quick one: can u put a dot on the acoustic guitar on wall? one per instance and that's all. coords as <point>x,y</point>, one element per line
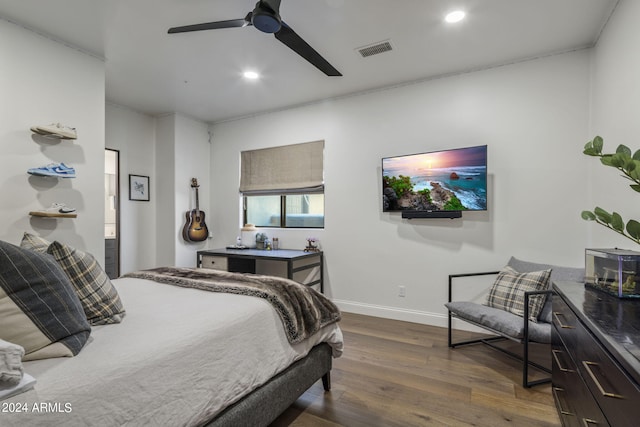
<point>195,229</point>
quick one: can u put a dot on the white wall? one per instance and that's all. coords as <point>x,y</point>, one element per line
<point>133,135</point>
<point>615,117</point>
<point>183,152</point>
<point>534,118</point>
<point>192,158</point>
<point>165,190</point>
<point>43,82</point>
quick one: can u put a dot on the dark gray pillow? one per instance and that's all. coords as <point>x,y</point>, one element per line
<point>40,309</point>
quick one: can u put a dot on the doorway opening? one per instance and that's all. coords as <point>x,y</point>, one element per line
<point>112,213</point>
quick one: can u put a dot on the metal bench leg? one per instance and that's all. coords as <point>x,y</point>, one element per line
<point>326,381</point>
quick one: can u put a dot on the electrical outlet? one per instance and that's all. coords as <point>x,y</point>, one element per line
<point>402,291</point>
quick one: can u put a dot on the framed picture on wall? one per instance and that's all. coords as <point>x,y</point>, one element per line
<point>139,187</point>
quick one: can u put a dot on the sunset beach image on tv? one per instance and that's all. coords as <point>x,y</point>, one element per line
<point>448,180</point>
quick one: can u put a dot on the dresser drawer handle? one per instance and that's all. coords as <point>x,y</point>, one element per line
<point>555,356</point>
<point>555,391</point>
<point>588,422</point>
<point>562,325</point>
<point>587,366</point>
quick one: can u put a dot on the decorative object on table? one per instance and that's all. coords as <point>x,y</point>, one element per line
<point>238,245</point>
<point>614,271</point>
<point>248,235</point>
<point>195,229</point>
<point>629,165</point>
<point>139,188</point>
<point>260,240</point>
<point>312,245</point>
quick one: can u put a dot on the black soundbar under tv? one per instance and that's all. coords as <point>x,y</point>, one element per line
<point>432,214</point>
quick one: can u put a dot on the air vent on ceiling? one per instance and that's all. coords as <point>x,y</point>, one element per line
<point>375,49</point>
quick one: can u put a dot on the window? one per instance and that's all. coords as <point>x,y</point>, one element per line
<point>283,186</point>
<point>285,211</point>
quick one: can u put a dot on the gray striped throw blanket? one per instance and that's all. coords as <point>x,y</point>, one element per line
<point>303,310</point>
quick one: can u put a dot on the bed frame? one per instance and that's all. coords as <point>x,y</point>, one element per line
<point>266,403</point>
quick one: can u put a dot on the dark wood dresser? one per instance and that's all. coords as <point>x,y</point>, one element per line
<point>596,357</point>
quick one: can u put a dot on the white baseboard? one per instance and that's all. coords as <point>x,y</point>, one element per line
<point>403,314</point>
<point>395,313</point>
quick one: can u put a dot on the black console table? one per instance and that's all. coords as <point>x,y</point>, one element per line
<point>596,357</point>
<point>303,267</point>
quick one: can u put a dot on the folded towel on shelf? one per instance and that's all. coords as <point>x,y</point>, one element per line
<point>10,363</point>
<point>26,383</point>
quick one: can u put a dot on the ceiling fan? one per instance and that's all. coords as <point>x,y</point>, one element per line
<point>266,18</point>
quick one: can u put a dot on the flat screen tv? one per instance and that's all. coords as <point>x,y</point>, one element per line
<point>443,183</point>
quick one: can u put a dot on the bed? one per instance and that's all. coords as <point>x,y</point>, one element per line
<point>180,357</point>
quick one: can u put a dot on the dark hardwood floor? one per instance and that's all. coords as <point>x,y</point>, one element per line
<point>397,373</point>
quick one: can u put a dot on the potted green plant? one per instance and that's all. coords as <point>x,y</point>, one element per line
<point>260,239</point>
<point>629,165</point>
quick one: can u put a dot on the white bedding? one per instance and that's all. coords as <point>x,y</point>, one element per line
<point>179,357</point>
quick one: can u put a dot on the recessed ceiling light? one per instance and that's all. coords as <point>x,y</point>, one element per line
<point>455,16</point>
<point>251,75</point>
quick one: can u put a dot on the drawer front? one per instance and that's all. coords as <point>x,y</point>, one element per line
<point>616,393</point>
<point>566,400</point>
<point>575,403</point>
<point>304,262</point>
<point>307,276</point>
<point>307,272</point>
<point>566,323</point>
<point>215,262</point>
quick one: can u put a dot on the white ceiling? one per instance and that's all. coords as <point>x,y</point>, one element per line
<point>199,73</point>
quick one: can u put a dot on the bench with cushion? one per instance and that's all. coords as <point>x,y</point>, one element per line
<point>519,292</point>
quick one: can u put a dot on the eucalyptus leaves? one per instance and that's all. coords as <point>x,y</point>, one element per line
<point>629,165</point>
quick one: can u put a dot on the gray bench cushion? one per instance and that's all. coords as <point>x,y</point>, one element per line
<point>500,321</point>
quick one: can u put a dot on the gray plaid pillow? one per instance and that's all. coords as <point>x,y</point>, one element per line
<point>98,296</point>
<point>34,243</point>
<point>507,292</point>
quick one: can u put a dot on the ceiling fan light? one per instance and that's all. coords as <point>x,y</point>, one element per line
<point>251,75</point>
<point>455,16</point>
<point>265,20</point>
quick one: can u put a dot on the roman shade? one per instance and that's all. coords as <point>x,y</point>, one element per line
<point>296,168</point>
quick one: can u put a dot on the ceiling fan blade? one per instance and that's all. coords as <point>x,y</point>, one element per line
<point>232,23</point>
<point>272,4</point>
<point>292,40</point>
